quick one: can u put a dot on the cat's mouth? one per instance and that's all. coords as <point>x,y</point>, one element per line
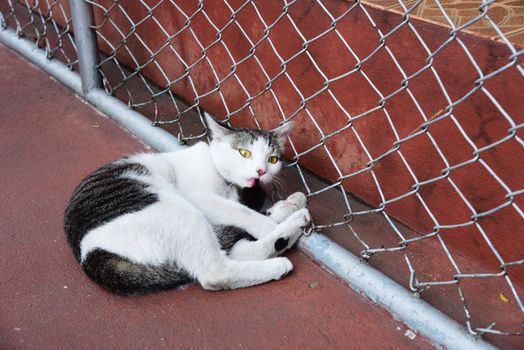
<point>252,182</point>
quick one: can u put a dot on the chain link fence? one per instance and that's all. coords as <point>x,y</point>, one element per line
<point>413,130</point>
<point>47,23</point>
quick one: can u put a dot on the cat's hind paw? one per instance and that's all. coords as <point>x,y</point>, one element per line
<point>283,267</point>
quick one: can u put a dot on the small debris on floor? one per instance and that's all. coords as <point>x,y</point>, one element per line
<point>410,334</point>
<point>313,285</point>
<point>503,298</point>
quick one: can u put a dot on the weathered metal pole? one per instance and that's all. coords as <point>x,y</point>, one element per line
<point>87,49</point>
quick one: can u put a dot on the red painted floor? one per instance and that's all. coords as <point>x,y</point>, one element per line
<point>49,140</point>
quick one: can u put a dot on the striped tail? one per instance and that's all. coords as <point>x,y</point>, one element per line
<point>121,276</point>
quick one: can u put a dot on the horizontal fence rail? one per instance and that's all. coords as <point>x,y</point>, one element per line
<point>412,129</point>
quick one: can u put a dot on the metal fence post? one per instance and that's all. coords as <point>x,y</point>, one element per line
<point>85,39</point>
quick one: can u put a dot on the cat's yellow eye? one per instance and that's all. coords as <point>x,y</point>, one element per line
<point>244,153</point>
<point>273,159</point>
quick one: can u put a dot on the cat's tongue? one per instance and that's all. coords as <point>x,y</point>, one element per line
<point>252,182</point>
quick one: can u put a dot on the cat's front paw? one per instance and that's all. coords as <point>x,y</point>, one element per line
<point>284,208</point>
<point>299,219</point>
<point>288,232</point>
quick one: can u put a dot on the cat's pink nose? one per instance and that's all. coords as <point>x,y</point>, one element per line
<point>261,172</point>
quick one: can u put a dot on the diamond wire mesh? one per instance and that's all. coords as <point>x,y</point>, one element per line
<point>47,23</point>
<point>379,100</point>
<point>194,57</point>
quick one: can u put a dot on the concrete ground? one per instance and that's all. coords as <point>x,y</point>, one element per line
<point>49,140</point>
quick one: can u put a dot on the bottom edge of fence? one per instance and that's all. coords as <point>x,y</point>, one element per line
<point>405,306</point>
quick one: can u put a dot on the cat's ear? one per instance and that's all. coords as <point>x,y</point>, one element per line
<point>282,132</point>
<point>217,130</point>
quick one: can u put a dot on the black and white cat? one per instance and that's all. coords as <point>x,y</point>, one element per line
<point>156,221</point>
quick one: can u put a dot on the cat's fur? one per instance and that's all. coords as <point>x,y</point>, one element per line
<point>154,221</point>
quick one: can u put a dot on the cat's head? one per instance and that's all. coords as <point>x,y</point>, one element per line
<point>245,157</point>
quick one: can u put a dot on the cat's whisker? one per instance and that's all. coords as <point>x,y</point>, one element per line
<point>279,186</point>
<point>228,187</point>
